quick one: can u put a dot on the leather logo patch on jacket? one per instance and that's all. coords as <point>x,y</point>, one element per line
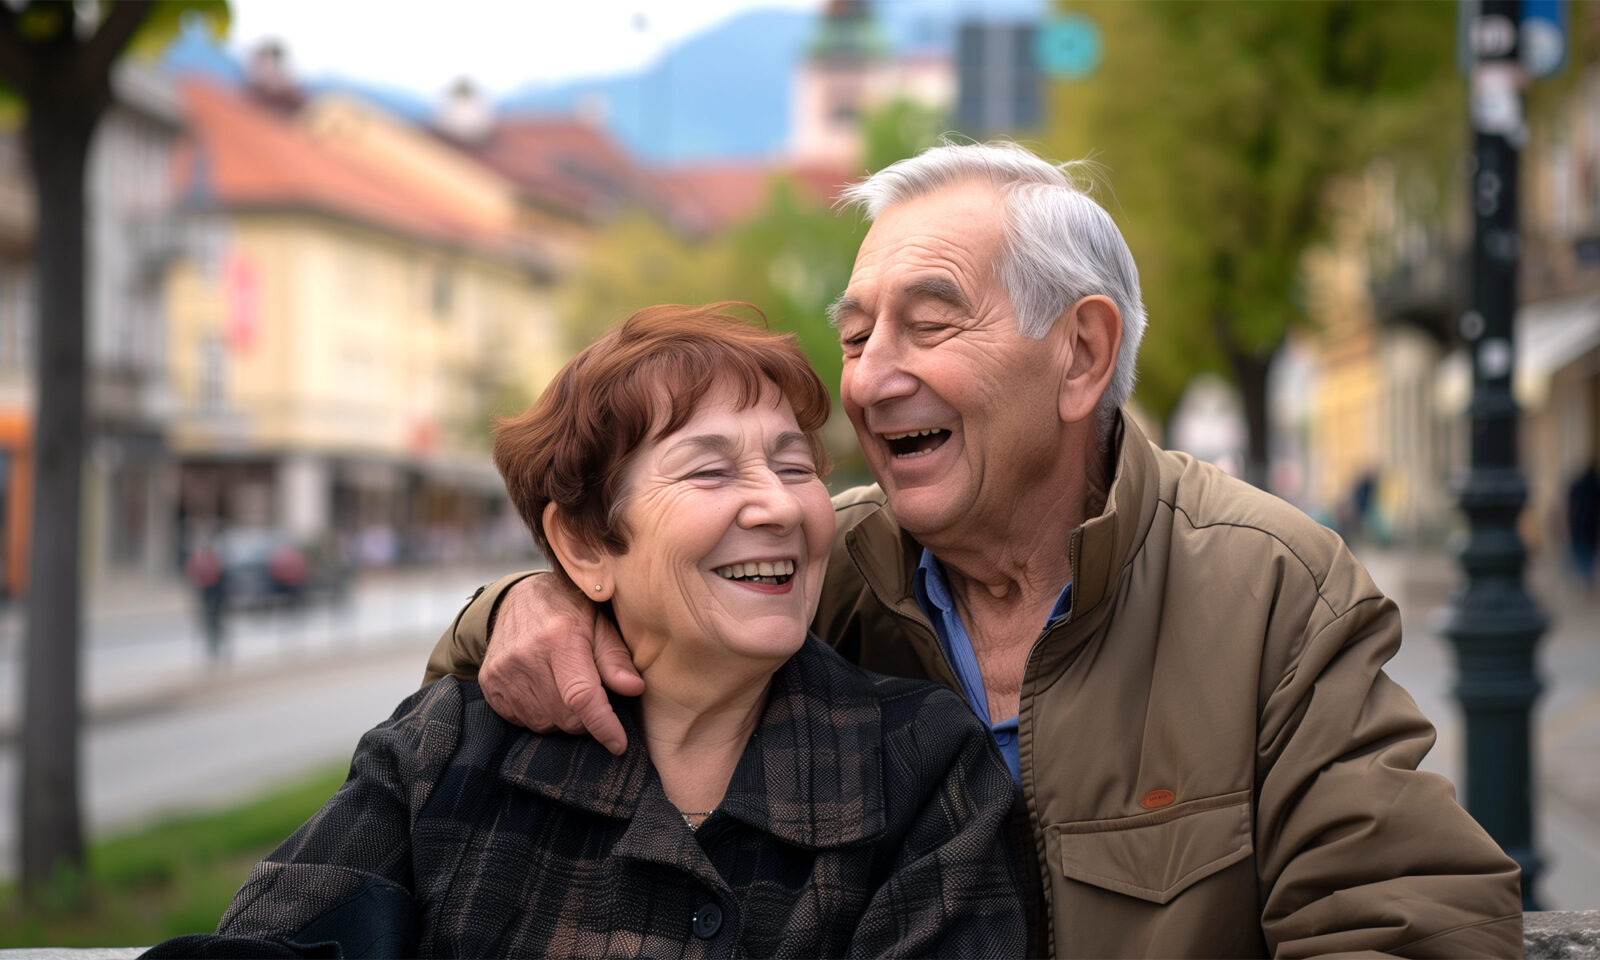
<point>1156,799</point>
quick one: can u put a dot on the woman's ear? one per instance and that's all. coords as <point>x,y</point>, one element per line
<point>588,565</point>
<point>1094,327</point>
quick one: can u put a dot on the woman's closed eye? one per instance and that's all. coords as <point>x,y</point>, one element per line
<point>713,474</point>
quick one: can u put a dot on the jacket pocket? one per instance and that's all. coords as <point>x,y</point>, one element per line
<point>1155,856</point>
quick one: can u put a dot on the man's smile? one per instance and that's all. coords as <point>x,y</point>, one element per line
<point>915,443</point>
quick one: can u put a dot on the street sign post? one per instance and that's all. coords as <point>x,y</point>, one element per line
<point>1492,623</point>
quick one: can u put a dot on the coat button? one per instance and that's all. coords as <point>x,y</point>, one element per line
<point>707,921</point>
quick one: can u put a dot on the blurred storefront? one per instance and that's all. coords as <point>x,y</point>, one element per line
<point>345,334</point>
<point>1384,292</point>
<point>16,401</point>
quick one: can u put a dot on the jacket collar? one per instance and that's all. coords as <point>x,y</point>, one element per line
<point>1105,543</point>
<point>887,556</point>
<point>811,774</point>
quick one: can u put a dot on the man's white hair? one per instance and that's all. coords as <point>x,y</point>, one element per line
<point>1060,246</point>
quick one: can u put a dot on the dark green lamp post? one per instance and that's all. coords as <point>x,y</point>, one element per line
<point>1490,620</point>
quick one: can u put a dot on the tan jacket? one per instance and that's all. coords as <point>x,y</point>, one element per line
<point>1214,762</point>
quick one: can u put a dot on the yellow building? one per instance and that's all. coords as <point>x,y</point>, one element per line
<point>1388,292</point>
<point>338,346</point>
<point>1381,334</point>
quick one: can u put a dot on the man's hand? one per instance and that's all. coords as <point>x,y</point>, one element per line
<point>549,652</point>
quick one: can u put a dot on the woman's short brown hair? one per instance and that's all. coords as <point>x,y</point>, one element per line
<point>572,447</point>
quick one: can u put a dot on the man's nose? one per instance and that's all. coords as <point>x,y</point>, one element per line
<point>879,372</point>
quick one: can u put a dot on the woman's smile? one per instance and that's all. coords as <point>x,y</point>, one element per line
<point>730,529</point>
<point>759,573</point>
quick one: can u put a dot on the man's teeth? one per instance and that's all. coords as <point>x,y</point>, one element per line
<point>916,443</point>
<point>766,571</point>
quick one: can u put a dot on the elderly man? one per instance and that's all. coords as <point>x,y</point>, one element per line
<point>1184,673</point>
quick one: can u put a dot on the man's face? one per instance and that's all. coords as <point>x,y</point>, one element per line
<point>955,410</point>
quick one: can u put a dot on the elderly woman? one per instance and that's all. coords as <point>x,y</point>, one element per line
<point>773,799</point>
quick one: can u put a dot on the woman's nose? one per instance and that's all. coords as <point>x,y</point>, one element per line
<point>772,504</point>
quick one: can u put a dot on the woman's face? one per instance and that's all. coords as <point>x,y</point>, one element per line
<point>729,531</point>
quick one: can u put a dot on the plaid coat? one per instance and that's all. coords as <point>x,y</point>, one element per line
<point>863,819</point>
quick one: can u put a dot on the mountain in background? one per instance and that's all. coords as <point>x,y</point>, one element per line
<point>724,93</point>
<point>720,94</point>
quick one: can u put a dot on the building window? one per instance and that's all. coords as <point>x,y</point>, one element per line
<point>9,321</point>
<point>17,323</point>
<point>213,385</point>
<point>441,293</point>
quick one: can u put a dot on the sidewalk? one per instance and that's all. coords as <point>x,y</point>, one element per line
<point>142,645</point>
<point>166,731</point>
<point>1567,714</point>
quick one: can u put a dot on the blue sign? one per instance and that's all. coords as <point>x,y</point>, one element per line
<point>1543,37</point>
<point>1067,47</point>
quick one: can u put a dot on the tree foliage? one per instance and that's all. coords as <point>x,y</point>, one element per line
<point>1223,126</point>
<point>790,260</point>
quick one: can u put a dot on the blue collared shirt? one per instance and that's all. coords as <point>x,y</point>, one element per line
<point>933,596</point>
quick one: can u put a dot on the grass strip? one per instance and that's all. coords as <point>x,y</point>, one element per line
<point>174,877</point>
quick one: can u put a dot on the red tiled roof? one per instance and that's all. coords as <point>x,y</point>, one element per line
<point>565,163</point>
<point>714,196</point>
<point>244,155</point>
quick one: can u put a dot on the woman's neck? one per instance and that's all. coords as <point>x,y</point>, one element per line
<point>696,730</point>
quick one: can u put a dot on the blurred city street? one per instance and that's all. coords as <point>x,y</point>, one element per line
<point>1567,715</point>
<point>168,733</point>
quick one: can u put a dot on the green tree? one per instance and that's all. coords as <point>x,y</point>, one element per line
<point>1223,126</point>
<point>56,57</point>
<point>636,261</point>
<point>790,259</point>
<point>900,128</point>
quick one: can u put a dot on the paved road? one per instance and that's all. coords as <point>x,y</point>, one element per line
<point>1567,824</point>
<point>167,731</point>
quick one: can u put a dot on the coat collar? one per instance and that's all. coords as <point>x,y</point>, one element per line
<point>811,774</point>
<point>1104,544</point>
<point>887,556</point>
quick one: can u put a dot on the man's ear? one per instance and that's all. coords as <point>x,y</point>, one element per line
<point>588,565</point>
<point>1094,328</point>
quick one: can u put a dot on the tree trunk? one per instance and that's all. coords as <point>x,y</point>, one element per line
<point>1250,372</point>
<point>58,135</point>
<point>1250,369</point>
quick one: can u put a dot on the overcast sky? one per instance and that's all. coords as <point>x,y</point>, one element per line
<point>501,44</point>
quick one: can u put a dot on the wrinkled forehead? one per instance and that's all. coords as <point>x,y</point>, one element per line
<point>960,227</point>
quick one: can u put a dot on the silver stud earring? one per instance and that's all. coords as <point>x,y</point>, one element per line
<point>597,588</point>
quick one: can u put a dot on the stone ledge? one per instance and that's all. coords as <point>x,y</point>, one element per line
<point>1548,935</point>
<point>1561,934</point>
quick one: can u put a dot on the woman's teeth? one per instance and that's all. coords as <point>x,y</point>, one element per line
<point>767,571</point>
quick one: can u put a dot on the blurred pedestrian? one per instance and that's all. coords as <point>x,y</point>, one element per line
<point>204,570</point>
<point>1361,503</point>
<point>1583,522</point>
